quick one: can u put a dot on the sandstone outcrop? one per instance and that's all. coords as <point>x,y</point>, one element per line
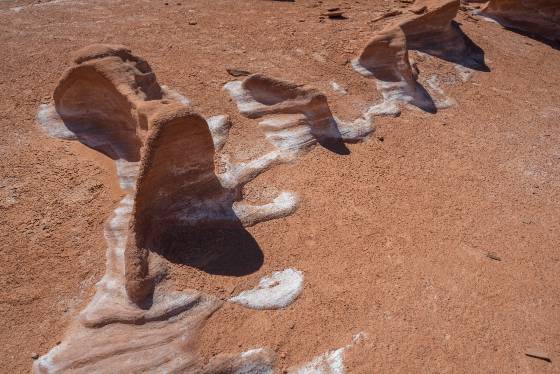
<point>111,101</point>
<point>539,17</point>
<point>428,28</point>
<point>294,117</point>
<point>99,99</point>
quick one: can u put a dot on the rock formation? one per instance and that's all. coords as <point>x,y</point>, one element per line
<point>539,17</point>
<point>99,99</point>
<point>110,101</point>
<point>428,28</point>
<point>296,117</point>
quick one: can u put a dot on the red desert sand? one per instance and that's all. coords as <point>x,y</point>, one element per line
<point>259,187</point>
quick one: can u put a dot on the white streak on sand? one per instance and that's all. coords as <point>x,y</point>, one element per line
<point>276,291</point>
<point>331,362</point>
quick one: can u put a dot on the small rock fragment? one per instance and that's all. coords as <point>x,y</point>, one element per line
<point>419,9</point>
<point>238,72</point>
<point>192,23</point>
<point>34,355</point>
<point>493,256</point>
<point>334,15</point>
<point>538,354</point>
<point>390,13</point>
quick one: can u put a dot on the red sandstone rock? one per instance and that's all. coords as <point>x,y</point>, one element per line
<point>541,17</point>
<point>430,29</point>
<point>176,168</point>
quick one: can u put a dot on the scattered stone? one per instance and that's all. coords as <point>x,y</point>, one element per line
<point>334,14</point>
<point>34,355</point>
<point>538,354</point>
<point>418,9</point>
<point>407,1</point>
<point>493,256</point>
<point>238,72</point>
<point>390,13</point>
<point>192,23</point>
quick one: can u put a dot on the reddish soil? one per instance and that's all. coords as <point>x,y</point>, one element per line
<point>393,239</point>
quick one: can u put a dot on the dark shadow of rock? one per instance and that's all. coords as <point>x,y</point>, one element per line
<point>334,145</point>
<point>470,55</point>
<point>230,251</point>
<point>554,44</point>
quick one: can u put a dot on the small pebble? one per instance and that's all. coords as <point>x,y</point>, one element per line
<point>237,72</point>
<point>538,354</point>
<point>493,256</point>
<point>419,9</point>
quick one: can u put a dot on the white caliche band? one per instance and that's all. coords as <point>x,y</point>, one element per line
<point>276,291</point>
<point>331,362</point>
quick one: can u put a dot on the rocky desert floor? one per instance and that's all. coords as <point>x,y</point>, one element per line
<point>437,238</point>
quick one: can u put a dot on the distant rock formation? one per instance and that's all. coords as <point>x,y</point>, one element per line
<point>428,28</point>
<point>539,17</point>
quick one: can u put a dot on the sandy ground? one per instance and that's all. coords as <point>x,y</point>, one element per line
<point>393,238</point>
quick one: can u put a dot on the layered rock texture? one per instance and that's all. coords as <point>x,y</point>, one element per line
<point>429,28</point>
<point>295,117</point>
<point>110,101</point>
<point>539,17</point>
